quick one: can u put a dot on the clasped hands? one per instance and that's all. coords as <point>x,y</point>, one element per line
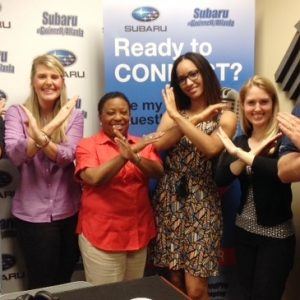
<point>41,136</point>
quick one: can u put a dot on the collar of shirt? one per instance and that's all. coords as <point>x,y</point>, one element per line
<point>102,138</point>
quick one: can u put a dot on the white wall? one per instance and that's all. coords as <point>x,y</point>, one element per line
<point>20,41</point>
<point>275,21</point>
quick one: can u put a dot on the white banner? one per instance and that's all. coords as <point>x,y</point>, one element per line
<point>71,30</point>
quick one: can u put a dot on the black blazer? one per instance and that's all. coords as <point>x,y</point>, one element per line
<point>272,197</point>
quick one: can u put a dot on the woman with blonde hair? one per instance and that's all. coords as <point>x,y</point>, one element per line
<point>265,240</point>
<point>40,139</point>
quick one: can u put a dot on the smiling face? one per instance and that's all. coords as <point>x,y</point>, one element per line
<point>115,114</point>
<point>47,84</point>
<point>189,79</point>
<point>258,107</point>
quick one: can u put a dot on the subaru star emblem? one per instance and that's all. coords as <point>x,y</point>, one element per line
<point>145,14</point>
<point>67,58</point>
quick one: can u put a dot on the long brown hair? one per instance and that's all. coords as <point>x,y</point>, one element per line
<point>211,84</point>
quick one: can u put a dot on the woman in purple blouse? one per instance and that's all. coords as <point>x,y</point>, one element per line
<point>40,139</point>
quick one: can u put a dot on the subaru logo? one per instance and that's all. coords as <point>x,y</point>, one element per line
<point>145,14</point>
<point>8,261</point>
<point>2,95</point>
<point>5,179</point>
<point>67,58</point>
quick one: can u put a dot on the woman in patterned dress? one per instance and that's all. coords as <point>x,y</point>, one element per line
<point>187,203</point>
<point>265,241</point>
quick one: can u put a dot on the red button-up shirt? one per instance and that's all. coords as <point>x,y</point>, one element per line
<point>115,216</point>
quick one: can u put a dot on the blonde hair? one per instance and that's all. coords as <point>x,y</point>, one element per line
<point>267,86</point>
<point>32,102</point>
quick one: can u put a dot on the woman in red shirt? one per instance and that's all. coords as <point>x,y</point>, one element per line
<point>116,220</point>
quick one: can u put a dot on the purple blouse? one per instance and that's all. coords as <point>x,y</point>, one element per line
<point>47,190</point>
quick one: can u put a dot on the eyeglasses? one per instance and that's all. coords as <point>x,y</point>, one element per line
<point>192,75</point>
